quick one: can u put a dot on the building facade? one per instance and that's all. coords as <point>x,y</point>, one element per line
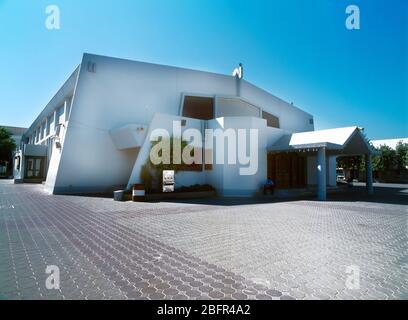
<point>95,133</point>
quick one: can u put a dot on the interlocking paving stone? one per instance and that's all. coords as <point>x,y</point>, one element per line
<point>274,293</point>
<point>213,250</point>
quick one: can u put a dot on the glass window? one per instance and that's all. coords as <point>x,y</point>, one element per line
<point>271,120</point>
<point>60,115</point>
<point>49,120</point>
<point>230,107</point>
<point>33,167</point>
<point>198,108</point>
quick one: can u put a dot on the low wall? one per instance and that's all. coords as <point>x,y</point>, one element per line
<point>180,195</point>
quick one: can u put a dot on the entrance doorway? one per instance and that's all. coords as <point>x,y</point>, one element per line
<point>287,170</point>
<point>34,167</point>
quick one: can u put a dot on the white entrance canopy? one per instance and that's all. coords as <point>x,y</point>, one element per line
<point>339,141</point>
<point>348,141</point>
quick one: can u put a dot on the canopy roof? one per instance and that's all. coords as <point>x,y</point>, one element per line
<point>347,140</point>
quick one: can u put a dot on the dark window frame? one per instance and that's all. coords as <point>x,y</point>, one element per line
<point>40,171</point>
<point>193,112</point>
<point>271,120</point>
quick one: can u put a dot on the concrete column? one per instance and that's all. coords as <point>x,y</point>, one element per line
<point>67,107</point>
<point>321,174</point>
<point>369,173</point>
<point>331,171</point>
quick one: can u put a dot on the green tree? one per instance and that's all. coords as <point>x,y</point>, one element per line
<point>7,146</point>
<point>151,174</point>
<point>386,161</point>
<point>402,156</point>
<point>352,163</point>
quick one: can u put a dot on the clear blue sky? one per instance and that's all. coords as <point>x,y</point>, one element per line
<point>297,50</point>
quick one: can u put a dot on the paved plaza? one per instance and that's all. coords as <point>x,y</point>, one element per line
<point>208,249</point>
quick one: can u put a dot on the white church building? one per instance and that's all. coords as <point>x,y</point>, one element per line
<point>95,134</point>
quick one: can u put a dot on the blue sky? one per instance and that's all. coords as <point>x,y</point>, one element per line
<point>298,50</point>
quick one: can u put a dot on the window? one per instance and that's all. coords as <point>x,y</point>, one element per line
<point>49,120</point>
<point>60,115</point>
<point>57,130</point>
<point>271,120</point>
<point>34,167</point>
<point>198,108</point>
<point>231,107</point>
<point>43,130</point>
<point>91,67</point>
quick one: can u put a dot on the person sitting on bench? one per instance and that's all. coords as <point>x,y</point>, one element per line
<point>269,186</point>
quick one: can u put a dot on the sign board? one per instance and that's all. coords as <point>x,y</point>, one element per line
<point>168,180</point>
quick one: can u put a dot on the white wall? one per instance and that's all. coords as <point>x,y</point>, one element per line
<point>273,135</point>
<point>290,117</point>
<point>228,107</point>
<point>54,161</point>
<point>215,176</point>
<point>90,162</point>
<point>226,177</point>
<point>248,185</point>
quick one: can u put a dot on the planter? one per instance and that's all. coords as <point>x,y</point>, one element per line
<point>118,195</point>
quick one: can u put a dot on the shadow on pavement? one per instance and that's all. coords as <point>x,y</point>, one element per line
<point>382,194</point>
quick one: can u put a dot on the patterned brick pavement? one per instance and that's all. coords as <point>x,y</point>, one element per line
<point>207,250</point>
